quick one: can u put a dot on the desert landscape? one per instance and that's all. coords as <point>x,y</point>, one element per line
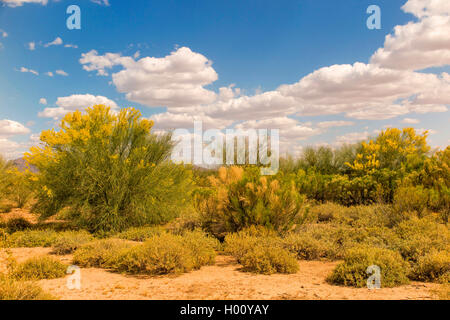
<point>224,150</point>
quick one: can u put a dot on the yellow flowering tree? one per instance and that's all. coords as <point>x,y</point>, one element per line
<point>391,156</point>
<point>108,170</point>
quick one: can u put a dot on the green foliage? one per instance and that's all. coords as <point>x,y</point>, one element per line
<point>433,266</point>
<point>69,241</point>
<point>5,207</point>
<point>139,233</point>
<point>239,199</point>
<point>267,260</point>
<point>109,170</point>
<point>18,224</point>
<point>352,272</point>
<point>11,289</point>
<point>38,268</point>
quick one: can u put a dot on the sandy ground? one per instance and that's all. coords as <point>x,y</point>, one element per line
<point>220,281</point>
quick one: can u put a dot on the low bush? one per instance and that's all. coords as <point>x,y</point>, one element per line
<point>306,247</point>
<point>417,237</point>
<point>267,260</point>
<point>18,224</point>
<point>434,267</point>
<point>67,242</point>
<point>32,238</point>
<point>167,253</point>
<point>100,253</point>
<point>139,233</point>
<point>238,244</point>
<point>6,208</point>
<point>352,272</point>
<point>411,199</point>
<point>11,289</point>
<point>38,268</point>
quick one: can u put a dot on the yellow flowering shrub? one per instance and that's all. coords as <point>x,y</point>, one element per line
<point>109,170</point>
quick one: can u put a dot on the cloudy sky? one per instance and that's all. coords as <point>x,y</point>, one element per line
<point>310,68</point>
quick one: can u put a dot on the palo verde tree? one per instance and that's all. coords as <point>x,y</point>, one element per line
<point>108,170</point>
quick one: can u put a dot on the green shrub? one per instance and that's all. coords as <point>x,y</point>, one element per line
<point>167,253</point>
<point>67,242</point>
<point>434,266</point>
<point>139,233</point>
<point>112,172</point>
<point>18,224</point>
<point>32,238</point>
<point>100,253</point>
<point>241,198</point>
<point>11,289</point>
<point>352,272</point>
<point>38,268</point>
<point>267,260</point>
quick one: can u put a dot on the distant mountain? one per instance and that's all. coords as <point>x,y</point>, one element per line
<point>22,165</point>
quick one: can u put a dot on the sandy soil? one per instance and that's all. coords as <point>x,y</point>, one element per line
<point>220,281</point>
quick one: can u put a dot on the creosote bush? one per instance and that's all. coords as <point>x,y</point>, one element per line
<point>352,272</point>
<point>38,268</point>
<point>32,238</point>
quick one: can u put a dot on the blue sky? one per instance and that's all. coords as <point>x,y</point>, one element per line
<point>268,50</point>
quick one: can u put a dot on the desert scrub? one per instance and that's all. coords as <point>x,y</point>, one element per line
<point>32,238</point>
<point>268,260</point>
<point>18,224</point>
<point>139,233</point>
<point>11,289</point>
<point>38,268</point>
<point>239,243</point>
<point>100,253</point>
<point>168,254</point>
<point>352,272</point>
<point>306,247</point>
<point>434,267</point>
<point>67,242</point>
<point>417,237</point>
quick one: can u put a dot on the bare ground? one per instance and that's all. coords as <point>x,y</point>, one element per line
<point>220,281</point>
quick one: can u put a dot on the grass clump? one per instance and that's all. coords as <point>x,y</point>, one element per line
<point>352,272</point>
<point>11,289</point>
<point>69,241</point>
<point>38,268</point>
<point>139,233</point>
<point>100,253</point>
